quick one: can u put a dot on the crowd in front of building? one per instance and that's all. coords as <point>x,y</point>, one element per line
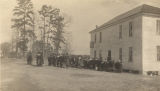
<point>129,41</point>
<point>132,37</point>
<point>76,61</point>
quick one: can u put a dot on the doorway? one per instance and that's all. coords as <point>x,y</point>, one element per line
<point>109,55</point>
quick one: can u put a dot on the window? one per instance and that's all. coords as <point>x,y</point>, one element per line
<point>158,27</point>
<point>120,54</point>
<point>100,54</point>
<point>95,38</point>
<point>95,54</point>
<point>91,44</point>
<point>130,29</point>
<point>100,37</point>
<point>109,55</point>
<point>120,32</point>
<point>130,54</point>
<point>158,53</point>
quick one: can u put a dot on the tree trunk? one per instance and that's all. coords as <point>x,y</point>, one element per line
<point>16,49</point>
<point>44,38</point>
<point>24,35</point>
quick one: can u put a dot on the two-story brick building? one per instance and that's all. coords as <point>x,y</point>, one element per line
<point>133,38</point>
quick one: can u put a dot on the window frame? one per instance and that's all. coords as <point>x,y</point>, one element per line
<point>130,57</point>
<point>100,37</point>
<point>158,27</point>
<point>95,37</point>
<point>95,53</point>
<point>158,53</point>
<point>120,54</point>
<point>100,53</point>
<point>130,29</point>
<point>109,56</point>
<point>120,31</point>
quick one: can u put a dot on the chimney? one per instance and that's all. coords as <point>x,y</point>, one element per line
<point>96,26</point>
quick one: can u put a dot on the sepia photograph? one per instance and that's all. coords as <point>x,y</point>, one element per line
<point>79,45</point>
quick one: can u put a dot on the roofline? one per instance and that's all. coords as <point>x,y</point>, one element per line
<point>113,23</point>
<point>120,20</point>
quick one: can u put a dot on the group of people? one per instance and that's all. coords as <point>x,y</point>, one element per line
<point>66,60</point>
<point>39,58</point>
<point>58,60</point>
<point>84,62</point>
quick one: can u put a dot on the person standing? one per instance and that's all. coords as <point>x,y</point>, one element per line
<point>53,59</point>
<point>29,58</point>
<point>39,60</point>
<point>50,60</point>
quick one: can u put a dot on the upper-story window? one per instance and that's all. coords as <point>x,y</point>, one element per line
<point>95,38</point>
<point>100,37</point>
<point>120,31</point>
<point>158,27</point>
<point>130,29</point>
<point>158,53</point>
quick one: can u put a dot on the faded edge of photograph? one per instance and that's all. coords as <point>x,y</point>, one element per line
<point>80,45</point>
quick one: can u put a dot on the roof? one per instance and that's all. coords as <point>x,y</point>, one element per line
<point>141,9</point>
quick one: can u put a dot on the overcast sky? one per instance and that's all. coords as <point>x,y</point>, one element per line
<point>85,15</point>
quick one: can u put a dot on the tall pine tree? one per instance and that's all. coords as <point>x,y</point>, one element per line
<point>23,23</point>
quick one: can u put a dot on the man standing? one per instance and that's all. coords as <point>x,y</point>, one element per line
<point>42,60</point>
<point>50,60</point>
<point>29,58</point>
<point>39,57</point>
<point>54,59</point>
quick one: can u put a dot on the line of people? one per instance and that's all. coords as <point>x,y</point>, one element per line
<point>81,62</point>
<point>65,61</point>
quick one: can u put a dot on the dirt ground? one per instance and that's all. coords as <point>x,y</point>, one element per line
<point>17,76</point>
